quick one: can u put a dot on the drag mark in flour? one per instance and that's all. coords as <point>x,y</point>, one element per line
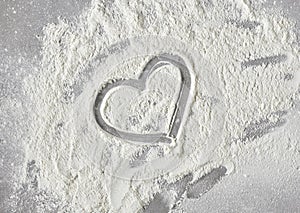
<point>264,61</point>
<point>247,24</point>
<point>143,156</point>
<point>264,126</point>
<point>173,194</point>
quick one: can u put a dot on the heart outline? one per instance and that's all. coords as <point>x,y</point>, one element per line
<point>140,83</point>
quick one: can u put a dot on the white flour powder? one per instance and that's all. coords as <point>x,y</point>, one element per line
<point>244,64</point>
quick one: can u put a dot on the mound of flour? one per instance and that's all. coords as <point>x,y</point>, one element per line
<point>252,79</point>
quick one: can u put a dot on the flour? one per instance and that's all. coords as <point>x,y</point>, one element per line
<point>244,63</point>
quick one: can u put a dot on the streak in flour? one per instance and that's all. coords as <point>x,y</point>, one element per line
<point>264,61</point>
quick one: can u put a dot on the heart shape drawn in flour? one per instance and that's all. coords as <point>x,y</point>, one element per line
<point>178,114</point>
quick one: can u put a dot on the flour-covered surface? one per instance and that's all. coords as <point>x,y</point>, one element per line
<point>237,145</point>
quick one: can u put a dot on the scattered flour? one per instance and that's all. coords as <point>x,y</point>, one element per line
<point>244,61</point>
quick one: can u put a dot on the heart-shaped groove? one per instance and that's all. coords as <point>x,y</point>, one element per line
<point>140,84</point>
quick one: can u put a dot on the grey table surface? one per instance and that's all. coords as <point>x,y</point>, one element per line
<point>259,188</point>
